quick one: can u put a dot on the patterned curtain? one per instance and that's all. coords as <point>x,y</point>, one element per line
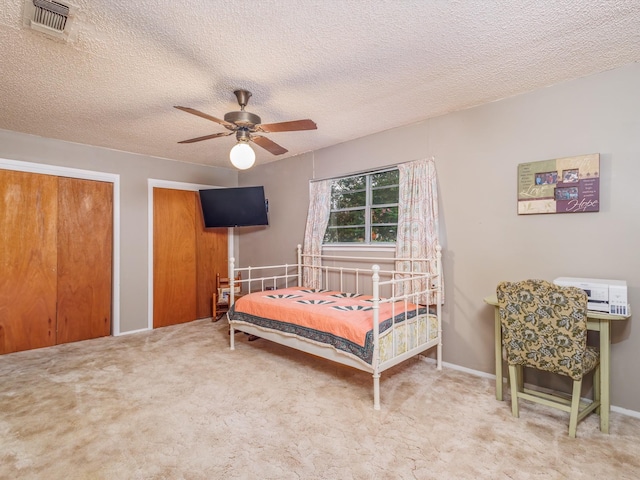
<point>317,220</point>
<point>417,221</point>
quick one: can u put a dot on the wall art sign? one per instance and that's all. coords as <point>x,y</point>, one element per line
<point>561,185</point>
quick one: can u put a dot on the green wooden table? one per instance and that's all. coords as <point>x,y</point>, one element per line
<point>596,321</point>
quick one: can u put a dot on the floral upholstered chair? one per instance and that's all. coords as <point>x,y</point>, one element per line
<point>544,326</point>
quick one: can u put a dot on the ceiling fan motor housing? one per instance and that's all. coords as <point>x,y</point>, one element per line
<point>243,119</point>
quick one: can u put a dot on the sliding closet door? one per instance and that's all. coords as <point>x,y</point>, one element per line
<point>85,245</point>
<point>28,217</point>
<point>174,257</point>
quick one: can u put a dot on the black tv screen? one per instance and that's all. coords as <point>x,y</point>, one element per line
<point>234,207</point>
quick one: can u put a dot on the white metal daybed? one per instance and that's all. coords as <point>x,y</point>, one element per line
<point>336,324</point>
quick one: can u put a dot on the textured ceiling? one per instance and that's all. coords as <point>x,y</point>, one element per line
<point>355,67</point>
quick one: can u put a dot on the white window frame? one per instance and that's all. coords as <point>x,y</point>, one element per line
<point>367,244</point>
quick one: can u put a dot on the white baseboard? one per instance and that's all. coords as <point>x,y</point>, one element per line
<point>129,332</point>
<point>478,373</point>
<point>625,411</point>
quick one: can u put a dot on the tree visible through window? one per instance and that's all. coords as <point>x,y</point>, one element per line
<point>364,209</point>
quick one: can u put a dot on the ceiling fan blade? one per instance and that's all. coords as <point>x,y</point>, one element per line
<point>292,126</point>
<point>206,137</point>
<point>204,115</point>
<point>268,145</point>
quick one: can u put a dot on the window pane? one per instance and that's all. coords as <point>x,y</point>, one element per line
<point>348,200</point>
<point>350,217</point>
<point>384,195</point>
<point>348,184</point>
<point>392,177</point>
<point>384,233</point>
<point>344,235</point>
<point>384,215</point>
<point>330,236</point>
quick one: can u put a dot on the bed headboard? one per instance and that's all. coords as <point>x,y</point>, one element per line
<point>395,276</point>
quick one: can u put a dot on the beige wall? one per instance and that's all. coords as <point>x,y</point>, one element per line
<point>477,152</point>
<point>286,187</point>
<point>134,171</point>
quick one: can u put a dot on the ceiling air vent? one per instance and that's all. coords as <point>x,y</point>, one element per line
<point>48,17</point>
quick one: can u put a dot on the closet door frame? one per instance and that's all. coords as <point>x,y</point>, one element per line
<point>58,171</point>
<point>193,187</point>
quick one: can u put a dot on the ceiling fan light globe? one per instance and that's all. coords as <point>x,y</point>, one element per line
<point>242,156</point>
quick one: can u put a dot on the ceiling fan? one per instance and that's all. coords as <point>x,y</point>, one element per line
<point>246,125</point>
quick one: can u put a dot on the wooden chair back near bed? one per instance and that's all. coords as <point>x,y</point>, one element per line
<point>223,288</point>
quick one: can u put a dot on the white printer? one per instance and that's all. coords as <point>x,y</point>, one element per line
<point>609,296</point>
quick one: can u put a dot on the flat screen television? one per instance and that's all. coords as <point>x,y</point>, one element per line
<point>234,207</point>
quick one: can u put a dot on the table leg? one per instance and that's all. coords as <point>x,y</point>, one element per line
<point>498,351</point>
<point>605,369</point>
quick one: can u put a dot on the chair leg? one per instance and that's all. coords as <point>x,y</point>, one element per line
<point>575,406</point>
<point>520,378</point>
<point>597,387</point>
<point>514,380</point>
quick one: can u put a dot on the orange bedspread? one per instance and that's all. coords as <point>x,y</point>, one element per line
<point>344,315</point>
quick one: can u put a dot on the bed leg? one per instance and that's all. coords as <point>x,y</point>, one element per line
<point>232,338</point>
<point>439,355</point>
<point>376,391</point>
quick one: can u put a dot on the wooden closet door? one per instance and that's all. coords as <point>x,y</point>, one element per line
<point>212,257</point>
<point>28,217</point>
<point>85,246</point>
<point>174,257</point>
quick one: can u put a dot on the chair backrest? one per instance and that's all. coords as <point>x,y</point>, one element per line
<point>544,326</point>
<point>223,285</point>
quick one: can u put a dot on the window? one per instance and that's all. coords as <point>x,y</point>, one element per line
<point>364,209</point>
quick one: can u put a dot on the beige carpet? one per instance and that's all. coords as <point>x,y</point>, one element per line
<point>176,403</point>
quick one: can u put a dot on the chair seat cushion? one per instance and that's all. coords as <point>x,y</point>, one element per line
<point>590,359</point>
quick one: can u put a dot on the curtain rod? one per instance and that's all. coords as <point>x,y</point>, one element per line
<point>364,172</point>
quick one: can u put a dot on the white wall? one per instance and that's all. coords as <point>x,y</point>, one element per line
<point>477,152</point>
